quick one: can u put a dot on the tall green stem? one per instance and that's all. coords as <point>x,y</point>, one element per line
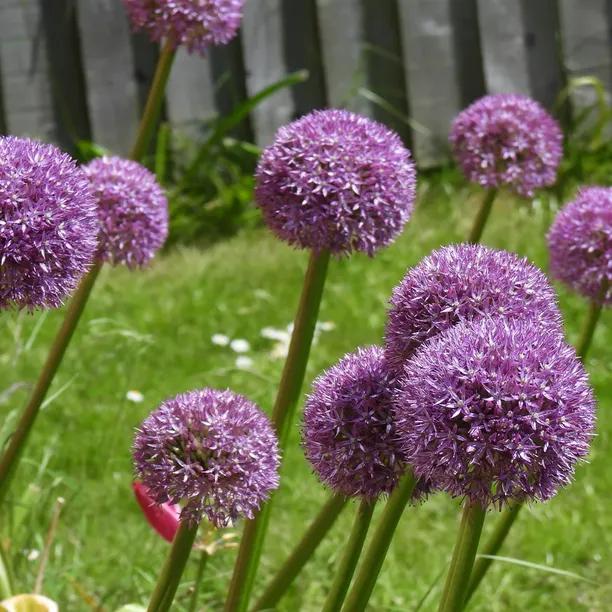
<point>347,566</point>
<point>171,572</point>
<point>193,606</point>
<point>154,102</point>
<point>11,454</point>
<point>16,443</point>
<point>482,216</point>
<point>584,343</point>
<point>282,416</point>
<point>301,554</point>
<point>376,551</point>
<point>491,548</point>
<point>458,577</point>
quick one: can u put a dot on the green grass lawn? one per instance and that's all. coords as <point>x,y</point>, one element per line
<point>151,332</point>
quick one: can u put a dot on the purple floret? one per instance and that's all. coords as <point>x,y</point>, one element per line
<point>213,451</point>
<point>507,140</point>
<point>580,244</point>
<point>498,411</point>
<point>349,435</point>
<point>463,282</point>
<point>195,24</point>
<point>48,224</point>
<point>336,181</point>
<point>132,208</point>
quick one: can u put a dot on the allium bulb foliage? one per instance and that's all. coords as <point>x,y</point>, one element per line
<point>580,244</point>
<point>463,282</point>
<point>213,451</point>
<point>507,140</point>
<point>196,24</point>
<point>496,410</point>
<point>334,180</point>
<point>48,224</point>
<point>348,434</point>
<point>132,208</point>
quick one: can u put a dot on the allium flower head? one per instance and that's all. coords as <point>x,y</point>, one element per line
<point>496,410</point>
<point>338,181</point>
<point>132,208</point>
<point>214,451</point>
<point>196,24</point>
<point>580,243</point>
<point>48,224</point>
<point>348,433</point>
<point>507,140</point>
<point>463,282</point>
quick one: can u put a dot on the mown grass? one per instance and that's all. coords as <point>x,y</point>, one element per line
<point>151,331</point>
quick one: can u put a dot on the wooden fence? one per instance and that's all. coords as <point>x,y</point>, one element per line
<point>71,69</point>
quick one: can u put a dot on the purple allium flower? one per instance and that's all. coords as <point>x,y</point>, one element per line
<point>507,140</point>
<point>197,24</point>
<point>496,410</point>
<point>214,451</point>
<point>460,282</point>
<point>48,224</point>
<point>338,181</point>
<point>132,208</point>
<point>580,243</point>
<point>348,433</point>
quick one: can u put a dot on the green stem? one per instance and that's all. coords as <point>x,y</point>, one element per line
<point>590,324</point>
<point>482,216</point>
<point>11,454</point>
<point>457,579</point>
<point>282,416</point>
<point>198,581</point>
<point>376,551</point>
<point>491,547</point>
<point>172,570</point>
<point>16,443</point>
<point>342,581</point>
<point>154,102</point>
<point>301,554</point>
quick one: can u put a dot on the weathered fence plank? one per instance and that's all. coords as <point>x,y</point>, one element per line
<point>383,54</point>
<point>340,26</point>
<point>27,100</point>
<point>431,71</point>
<point>109,73</point>
<point>263,44</point>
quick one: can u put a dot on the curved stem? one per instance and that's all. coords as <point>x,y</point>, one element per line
<point>457,579</point>
<point>482,216</point>
<point>16,443</point>
<point>301,554</point>
<point>347,566</point>
<point>154,102</point>
<point>172,570</point>
<point>10,456</point>
<point>491,547</point>
<point>588,331</point>
<point>198,581</point>
<point>376,551</point>
<point>287,398</point>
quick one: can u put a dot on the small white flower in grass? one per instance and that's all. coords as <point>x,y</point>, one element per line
<point>326,326</point>
<point>243,362</point>
<point>134,396</point>
<point>239,345</point>
<point>220,339</point>
<point>271,333</point>
<point>33,554</point>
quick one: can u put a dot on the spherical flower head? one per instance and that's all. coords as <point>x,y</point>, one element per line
<point>48,224</point>
<point>580,244</point>
<point>464,282</point>
<point>507,140</point>
<point>196,24</point>
<point>214,451</point>
<point>336,181</point>
<point>132,208</point>
<point>348,433</point>
<point>495,410</point>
